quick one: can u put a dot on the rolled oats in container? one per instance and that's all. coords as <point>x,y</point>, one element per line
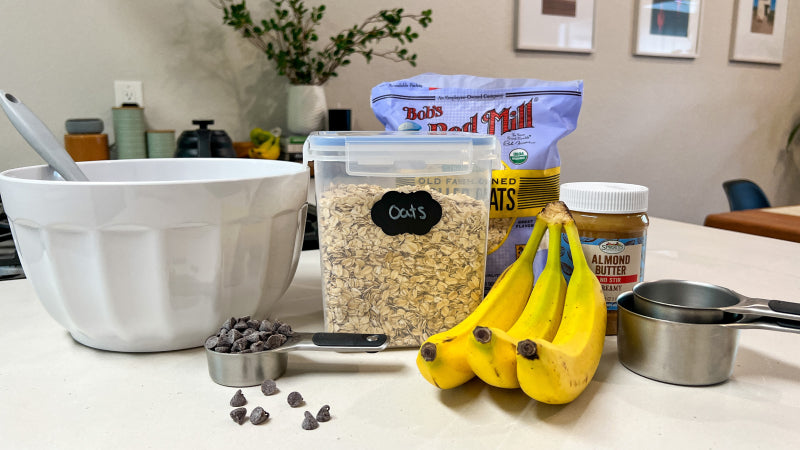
<point>403,222</point>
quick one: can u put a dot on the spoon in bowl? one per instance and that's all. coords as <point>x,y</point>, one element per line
<point>40,138</point>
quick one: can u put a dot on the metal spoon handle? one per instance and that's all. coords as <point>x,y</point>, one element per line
<point>335,342</point>
<point>40,138</point>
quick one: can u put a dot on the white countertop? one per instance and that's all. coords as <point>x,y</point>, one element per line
<point>56,393</point>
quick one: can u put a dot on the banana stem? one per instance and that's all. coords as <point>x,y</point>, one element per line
<point>482,335</point>
<point>527,349</point>
<point>532,246</point>
<point>428,351</point>
<point>574,239</point>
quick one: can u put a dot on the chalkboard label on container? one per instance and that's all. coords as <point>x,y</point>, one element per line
<point>415,212</point>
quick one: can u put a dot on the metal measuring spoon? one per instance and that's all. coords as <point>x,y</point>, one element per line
<point>40,138</point>
<point>251,369</point>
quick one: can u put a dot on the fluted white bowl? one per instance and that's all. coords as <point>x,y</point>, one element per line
<point>154,254</point>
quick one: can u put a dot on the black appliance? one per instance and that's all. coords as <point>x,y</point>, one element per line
<point>204,143</point>
<point>10,266</point>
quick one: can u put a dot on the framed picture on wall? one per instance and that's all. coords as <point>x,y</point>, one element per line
<point>759,27</point>
<point>555,25</point>
<point>667,28</point>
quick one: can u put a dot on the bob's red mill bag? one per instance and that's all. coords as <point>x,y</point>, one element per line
<point>527,116</point>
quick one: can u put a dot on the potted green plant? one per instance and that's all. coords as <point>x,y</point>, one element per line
<point>288,38</point>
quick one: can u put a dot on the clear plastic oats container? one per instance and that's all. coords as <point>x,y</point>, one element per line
<point>403,220</point>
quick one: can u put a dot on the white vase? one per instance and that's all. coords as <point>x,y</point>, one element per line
<point>306,109</point>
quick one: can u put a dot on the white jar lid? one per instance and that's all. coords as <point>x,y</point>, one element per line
<point>605,198</point>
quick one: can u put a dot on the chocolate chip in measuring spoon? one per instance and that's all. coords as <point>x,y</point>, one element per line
<point>285,329</point>
<point>265,325</point>
<point>233,338</point>
<point>240,345</point>
<point>234,335</point>
<point>257,347</point>
<point>212,342</point>
<point>264,335</point>
<point>275,341</point>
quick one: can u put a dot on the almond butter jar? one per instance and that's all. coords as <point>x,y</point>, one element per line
<point>612,222</point>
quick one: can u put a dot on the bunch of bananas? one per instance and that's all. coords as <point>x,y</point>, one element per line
<point>546,338</point>
<point>266,144</point>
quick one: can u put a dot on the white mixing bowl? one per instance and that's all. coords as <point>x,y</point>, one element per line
<point>155,254</point>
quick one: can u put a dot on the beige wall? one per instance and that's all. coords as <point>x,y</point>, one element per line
<point>680,127</point>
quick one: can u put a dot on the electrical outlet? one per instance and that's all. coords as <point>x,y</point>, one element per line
<point>128,92</point>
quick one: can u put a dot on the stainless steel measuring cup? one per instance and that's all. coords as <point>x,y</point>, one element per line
<point>251,369</point>
<point>695,302</point>
<point>688,344</point>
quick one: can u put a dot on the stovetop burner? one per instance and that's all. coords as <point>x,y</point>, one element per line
<point>10,266</point>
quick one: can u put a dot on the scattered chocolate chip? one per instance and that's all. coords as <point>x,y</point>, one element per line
<point>253,324</point>
<point>309,422</point>
<point>238,399</point>
<point>241,325</point>
<point>229,324</point>
<point>294,399</point>
<point>268,387</point>
<point>239,415</point>
<point>324,414</point>
<point>258,416</point>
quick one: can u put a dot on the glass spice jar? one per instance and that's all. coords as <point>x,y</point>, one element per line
<point>612,222</point>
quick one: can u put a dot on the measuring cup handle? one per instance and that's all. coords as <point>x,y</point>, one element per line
<point>336,342</point>
<point>786,326</point>
<point>354,341</point>
<point>785,307</point>
<point>776,309</point>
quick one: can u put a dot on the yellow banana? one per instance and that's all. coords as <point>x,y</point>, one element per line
<point>492,353</point>
<point>442,358</point>
<point>557,372</point>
